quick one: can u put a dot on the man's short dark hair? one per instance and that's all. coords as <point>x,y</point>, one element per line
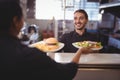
<point>82,11</point>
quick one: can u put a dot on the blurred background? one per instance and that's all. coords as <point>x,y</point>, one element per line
<point>55,17</point>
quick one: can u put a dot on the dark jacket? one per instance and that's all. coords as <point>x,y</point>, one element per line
<point>73,36</point>
<point>18,61</point>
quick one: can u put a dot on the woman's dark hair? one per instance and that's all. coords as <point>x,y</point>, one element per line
<point>8,10</point>
<point>31,28</point>
<point>82,11</point>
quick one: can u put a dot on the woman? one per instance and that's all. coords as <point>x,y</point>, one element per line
<point>21,62</point>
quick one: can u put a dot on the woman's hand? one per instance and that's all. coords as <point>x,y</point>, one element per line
<point>85,50</point>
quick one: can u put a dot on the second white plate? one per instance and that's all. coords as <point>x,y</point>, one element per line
<point>74,44</point>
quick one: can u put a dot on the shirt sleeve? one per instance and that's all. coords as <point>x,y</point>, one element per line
<point>63,38</point>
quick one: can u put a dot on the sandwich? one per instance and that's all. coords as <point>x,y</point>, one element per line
<point>52,43</point>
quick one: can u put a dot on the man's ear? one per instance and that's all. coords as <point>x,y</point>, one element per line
<point>86,21</point>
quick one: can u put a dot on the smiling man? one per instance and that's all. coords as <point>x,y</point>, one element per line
<point>80,32</point>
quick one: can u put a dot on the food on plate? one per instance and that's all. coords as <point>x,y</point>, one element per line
<point>52,43</point>
<point>89,44</point>
<point>41,46</point>
<point>49,44</point>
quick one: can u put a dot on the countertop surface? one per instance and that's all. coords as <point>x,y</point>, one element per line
<point>89,60</point>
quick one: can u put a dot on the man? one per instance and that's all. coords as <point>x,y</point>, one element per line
<point>79,34</point>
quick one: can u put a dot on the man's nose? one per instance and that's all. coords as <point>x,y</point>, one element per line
<point>78,20</point>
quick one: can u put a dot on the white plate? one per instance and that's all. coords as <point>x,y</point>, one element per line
<point>60,46</point>
<point>81,46</point>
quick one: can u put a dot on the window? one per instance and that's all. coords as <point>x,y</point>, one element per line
<point>92,8</point>
<point>47,9</point>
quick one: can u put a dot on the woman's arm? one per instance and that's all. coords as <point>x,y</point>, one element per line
<point>79,52</point>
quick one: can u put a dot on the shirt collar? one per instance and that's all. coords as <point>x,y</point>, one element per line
<point>75,33</point>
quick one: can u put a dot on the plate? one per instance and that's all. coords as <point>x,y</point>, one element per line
<point>42,46</point>
<point>94,48</point>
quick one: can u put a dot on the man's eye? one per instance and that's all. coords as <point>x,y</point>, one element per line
<point>81,18</point>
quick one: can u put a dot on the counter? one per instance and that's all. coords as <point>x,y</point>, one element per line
<point>103,59</point>
<point>95,66</point>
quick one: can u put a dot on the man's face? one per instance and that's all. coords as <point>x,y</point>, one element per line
<point>79,21</point>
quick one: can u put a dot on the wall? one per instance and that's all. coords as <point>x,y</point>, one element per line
<point>44,24</point>
<point>41,23</point>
